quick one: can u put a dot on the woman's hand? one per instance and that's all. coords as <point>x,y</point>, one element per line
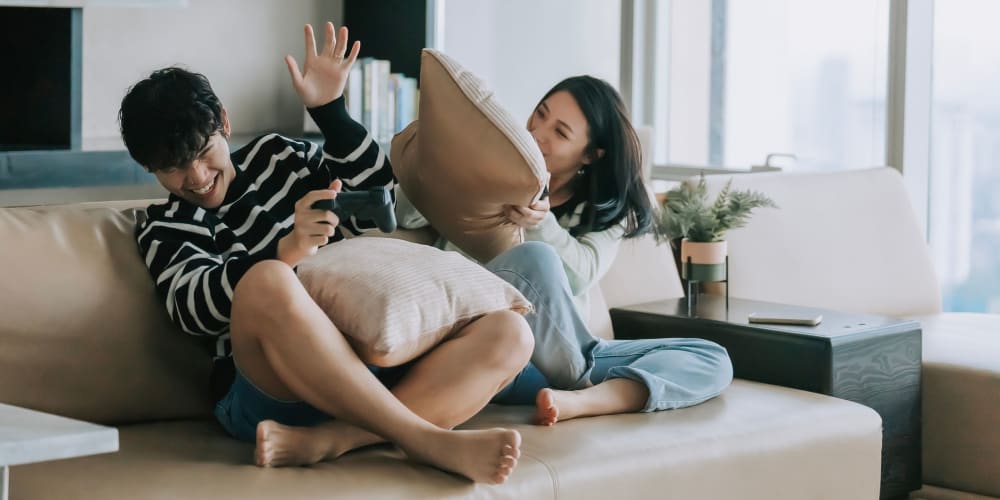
<point>527,217</point>
<point>313,226</point>
<point>323,75</point>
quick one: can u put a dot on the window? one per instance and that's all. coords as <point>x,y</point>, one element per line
<point>750,78</point>
<point>964,225</point>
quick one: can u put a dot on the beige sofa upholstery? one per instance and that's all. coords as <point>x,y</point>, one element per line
<point>84,336</point>
<point>850,241</point>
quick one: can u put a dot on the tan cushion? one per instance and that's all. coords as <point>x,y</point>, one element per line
<point>755,442</point>
<point>961,401</point>
<point>465,159</point>
<point>82,332</point>
<point>394,299</point>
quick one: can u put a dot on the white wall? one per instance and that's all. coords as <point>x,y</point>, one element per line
<point>521,48</point>
<point>239,46</point>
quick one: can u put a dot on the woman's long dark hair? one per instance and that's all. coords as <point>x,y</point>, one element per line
<point>612,186</point>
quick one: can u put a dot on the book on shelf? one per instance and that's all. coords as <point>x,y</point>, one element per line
<point>382,101</point>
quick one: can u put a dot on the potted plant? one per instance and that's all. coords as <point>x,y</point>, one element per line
<point>698,225</point>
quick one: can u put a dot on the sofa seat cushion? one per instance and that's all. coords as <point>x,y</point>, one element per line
<point>961,401</point>
<point>929,492</point>
<point>756,441</point>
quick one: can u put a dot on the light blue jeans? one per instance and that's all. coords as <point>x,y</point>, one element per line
<point>678,372</point>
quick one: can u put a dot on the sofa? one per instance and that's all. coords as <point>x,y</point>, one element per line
<point>83,335</point>
<point>850,241</point>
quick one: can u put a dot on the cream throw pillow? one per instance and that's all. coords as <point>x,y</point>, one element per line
<point>465,159</point>
<point>394,300</point>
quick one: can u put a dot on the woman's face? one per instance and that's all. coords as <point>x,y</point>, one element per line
<point>560,128</point>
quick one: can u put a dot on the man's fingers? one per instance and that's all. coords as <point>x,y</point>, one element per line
<point>328,41</point>
<point>310,42</point>
<point>293,70</point>
<point>355,49</point>
<point>314,196</point>
<point>336,185</point>
<point>341,47</point>
<point>330,218</point>
<point>317,241</point>
<point>322,228</point>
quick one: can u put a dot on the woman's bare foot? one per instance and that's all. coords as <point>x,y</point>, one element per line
<point>619,395</point>
<point>282,445</point>
<point>552,406</point>
<point>484,456</point>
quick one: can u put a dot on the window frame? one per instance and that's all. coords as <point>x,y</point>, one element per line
<point>908,96</point>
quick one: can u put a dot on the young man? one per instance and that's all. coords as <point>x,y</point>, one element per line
<point>222,251</point>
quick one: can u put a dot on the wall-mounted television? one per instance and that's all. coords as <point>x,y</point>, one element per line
<point>40,87</point>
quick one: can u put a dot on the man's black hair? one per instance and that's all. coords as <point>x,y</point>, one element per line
<point>167,119</point>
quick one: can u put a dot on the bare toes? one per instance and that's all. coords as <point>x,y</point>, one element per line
<point>508,463</point>
<point>262,458</point>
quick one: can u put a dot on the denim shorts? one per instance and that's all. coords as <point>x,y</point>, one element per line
<point>246,405</point>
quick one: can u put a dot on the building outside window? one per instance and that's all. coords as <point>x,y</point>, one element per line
<point>736,80</point>
<point>964,225</point>
<point>806,78</point>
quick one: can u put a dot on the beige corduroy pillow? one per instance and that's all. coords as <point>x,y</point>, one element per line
<point>465,159</point>
<point>394,300</point>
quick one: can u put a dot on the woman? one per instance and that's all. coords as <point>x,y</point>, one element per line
<point>597,198</point>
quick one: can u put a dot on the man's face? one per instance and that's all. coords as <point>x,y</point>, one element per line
<point>205,179</point>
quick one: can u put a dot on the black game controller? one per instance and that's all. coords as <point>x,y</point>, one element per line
<point>374,204</point>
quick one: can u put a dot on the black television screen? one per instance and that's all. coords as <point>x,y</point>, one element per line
<point>40,86</point>
<point>394,30</point>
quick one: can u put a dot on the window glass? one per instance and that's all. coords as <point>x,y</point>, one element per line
<point>803,77</point>
<point>964,226</point>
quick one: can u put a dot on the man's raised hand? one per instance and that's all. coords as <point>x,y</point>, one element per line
<point>323,74</point>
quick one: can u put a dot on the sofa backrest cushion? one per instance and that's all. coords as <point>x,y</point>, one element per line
<point>845,240</point>
<point>465,159</point>
<point>82,332</point>
<point>643,271</point>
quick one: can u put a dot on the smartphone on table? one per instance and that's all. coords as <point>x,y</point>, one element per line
<point>782,318</point>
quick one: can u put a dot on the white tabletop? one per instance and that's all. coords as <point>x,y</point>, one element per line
<point>28,436</point>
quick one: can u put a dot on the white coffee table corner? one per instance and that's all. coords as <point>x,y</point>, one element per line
<point>29,436</point>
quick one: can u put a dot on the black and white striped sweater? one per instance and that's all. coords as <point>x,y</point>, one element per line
<point>197,256</point>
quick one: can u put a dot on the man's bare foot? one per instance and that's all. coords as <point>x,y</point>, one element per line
<point>552,406</point>
<point>282,445</point>
<point>484,456</point>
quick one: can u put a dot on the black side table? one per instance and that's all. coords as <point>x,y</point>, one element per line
<point>872,360</point>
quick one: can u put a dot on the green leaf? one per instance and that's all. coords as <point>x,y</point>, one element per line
<point>687,212</point>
